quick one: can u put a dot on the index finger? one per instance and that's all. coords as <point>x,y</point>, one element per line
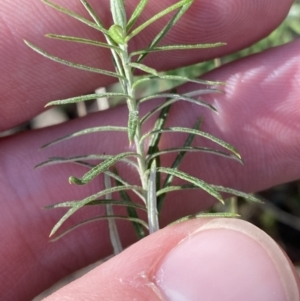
<point>29,81</point>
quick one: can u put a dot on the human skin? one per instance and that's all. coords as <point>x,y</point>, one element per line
<point>259,114</point>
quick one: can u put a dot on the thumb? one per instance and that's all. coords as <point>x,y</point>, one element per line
<point>208,259</point>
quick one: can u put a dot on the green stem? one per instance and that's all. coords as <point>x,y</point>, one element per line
<point>133,106</point>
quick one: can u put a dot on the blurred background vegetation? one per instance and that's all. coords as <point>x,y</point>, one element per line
<point>280,215</point>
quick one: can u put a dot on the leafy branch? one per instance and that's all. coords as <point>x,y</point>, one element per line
<point>147,164</point>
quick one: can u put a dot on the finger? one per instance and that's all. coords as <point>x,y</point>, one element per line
<point>248,118</point>
<point>216,259</point>
<point>29,81</point>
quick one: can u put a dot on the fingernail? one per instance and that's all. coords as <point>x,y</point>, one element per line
<point>228,260</point>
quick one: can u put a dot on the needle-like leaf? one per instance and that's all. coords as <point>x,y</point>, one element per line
<point>82,41</point>
<point>152,202</point>
<point>87,131</point>
<point>75,16</point>
<point>156,17</point>
<point>99,218</point>
<point>105,165</point>
<point>118,12</point>
<point>136,13</point>
<point>70,64</point>
<point>176,163</point>
<point>182,79</point>
<point>166,29</point>
<point>144,68</point>
<point>84,98</point>
<point>139,230</point>
<point>172,99</point>
<point>94,15</point>
<point>196,132</point>
<point>207,215</point>
<point>177,47</point>
<point>193,149</point>
<point>80,204</point>
<point>184,176</point>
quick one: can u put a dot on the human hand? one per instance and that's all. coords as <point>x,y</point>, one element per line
<point>259,114</point>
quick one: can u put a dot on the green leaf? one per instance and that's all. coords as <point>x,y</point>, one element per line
<point>97,203</point>
<point>83,98</point>
<point>184,176</point>
<point>118,12</point>
<point>152,202</point>
<point>98,218</point>
<point>87,131</point>
<point>80,204</point>
<point>235,192</point>
<point>75,16</point>
<point>81,40</point>
<point>166,29</point>
<point>177,47</point>
<point>206,215</point>
<point>133,120</point>
<point>176,164</point>
<point>117,34</point>
<point>144,68</point>
<point>196,132</point>
<point>156,17</point>
<point>177,78</point>
<point>168,189</point>
<point>159,124</point>
<point>70,64</point>
<point>136,13</point>
<point>94,172</point>
<point>93,15</point>
<point>112,226</point>
<point>175,95</point>
<point>193,149</point>
<point>131,210</point>
<point>172,99</point>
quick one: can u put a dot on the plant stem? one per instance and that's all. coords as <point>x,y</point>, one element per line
<point>140,147</point>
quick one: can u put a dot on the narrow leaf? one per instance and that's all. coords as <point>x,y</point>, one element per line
<point>75,16</point>
<point>206,215</point>
<point>118,12</point>
<point>94,172</point>
<point>193,149</point>
<point>93,15</point>
<point>166,29</point>
<point>98,218</point>
<point>78,160</point>
<point>184,176</point>
<point>177,78</point>
<point>136,13</point>
<point>175,95</point>
<point>81,40</point>
<point>168,189</point>
<point>176,164</point>
<point>156,17</point>
<point>112,226</point>
<point>99,202</point>
<point>177,47</point>
<point>87,131</point>
<point>173,99</point>
<point>70,64</point>
<point>80,204</point>
<point>235,192</point>
<point>144,68</point>
<point>152,202</point>
<point>83,98</point>
<point>196,132</point>
<point>133,120</point>
<point>131,210</point>
<point>159,124</point>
